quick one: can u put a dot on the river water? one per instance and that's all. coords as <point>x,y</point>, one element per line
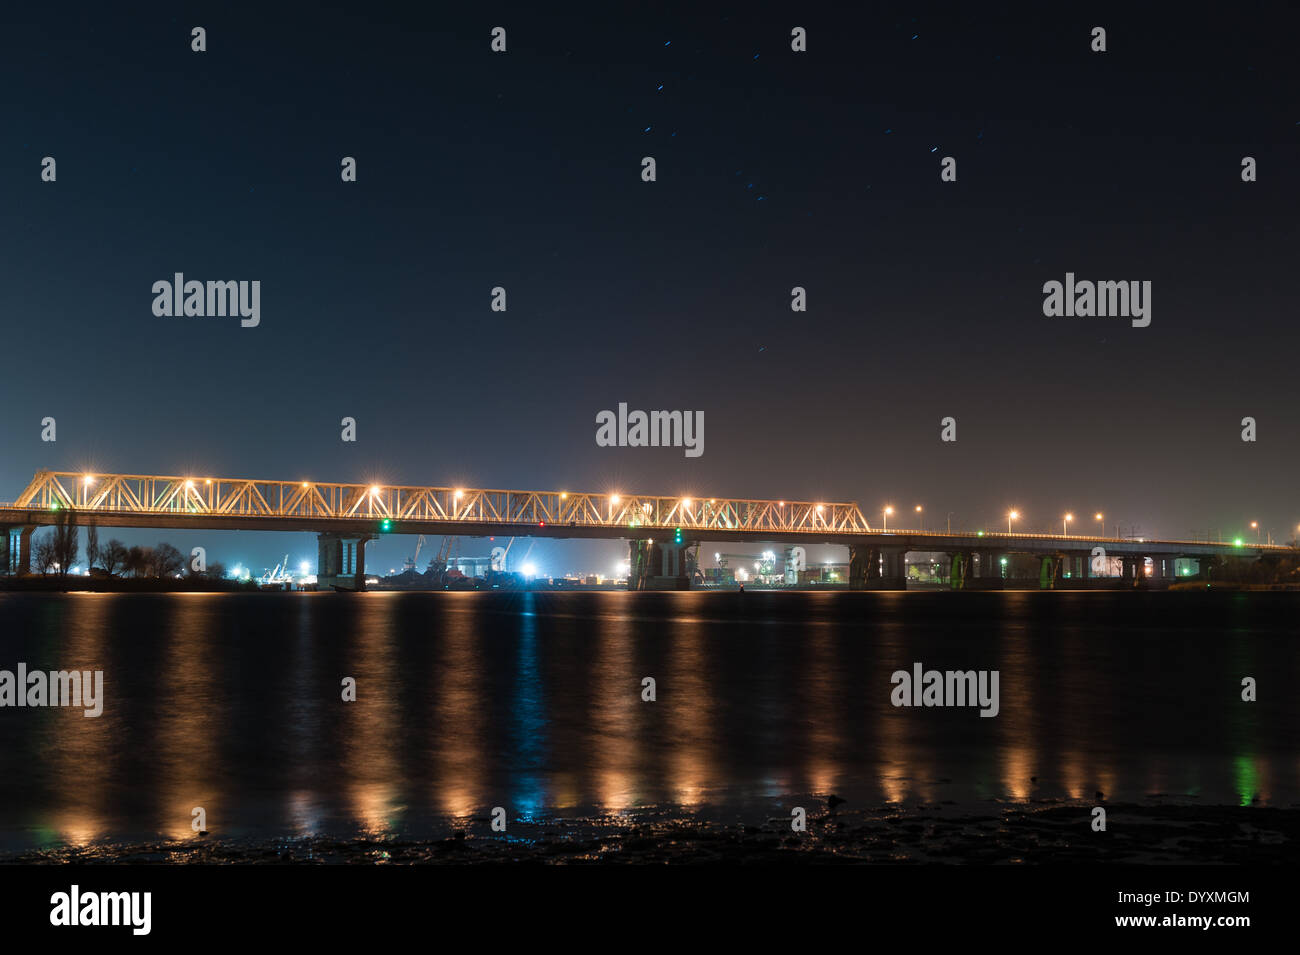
<point>533,702</point>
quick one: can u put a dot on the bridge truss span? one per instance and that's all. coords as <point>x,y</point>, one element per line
<point>137,494</point>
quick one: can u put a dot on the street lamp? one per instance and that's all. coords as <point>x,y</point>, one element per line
<point>1255,526</point>
<point>919,518</point>
<point>1011,516</point>
<point>1101,526</point>
<point>1065,525</point>
<point>885,515</point>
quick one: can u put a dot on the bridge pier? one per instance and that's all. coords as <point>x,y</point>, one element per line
<point>16,550</point>
<point>1081,575</point>
<point>960,570</point>
<point>872,567</point>
<point>659,565</point>
<point>1133,567</point>
<point>987,573</point>
<point>893,568</point>
<point>1051,571</point>
<point>341,561</point>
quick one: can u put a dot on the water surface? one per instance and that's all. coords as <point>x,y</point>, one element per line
<point>532,701</point>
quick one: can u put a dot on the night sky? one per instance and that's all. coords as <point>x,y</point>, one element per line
<point>775,169</point>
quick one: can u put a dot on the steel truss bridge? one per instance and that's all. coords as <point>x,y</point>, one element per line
<point>346,515</point>
<point>287,505</point>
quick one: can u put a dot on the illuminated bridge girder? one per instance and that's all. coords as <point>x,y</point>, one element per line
<point>138,494</point>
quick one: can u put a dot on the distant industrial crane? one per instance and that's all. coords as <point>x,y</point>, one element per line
<point>411,561</point>
<point>499,555</point>
<point>279,575</point>
<point>439,564</point>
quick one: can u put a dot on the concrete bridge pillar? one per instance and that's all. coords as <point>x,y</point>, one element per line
<point>658,565</point>
<point>16,550</point>
<point>638,560</point>
<point>1051,571</point>
<point>1133,570</point>
<point>961,571</point>
<point>864,565</point>
<point>341,561</point>
<point>872,567</point>
<point>893,570</point>
<point>989,572</point>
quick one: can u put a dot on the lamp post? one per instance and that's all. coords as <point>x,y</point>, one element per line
<point>1011,516</point>
<point>1101,525</point>
<point>885,516</point>
<point>1065,525</point>
<point>920,518</point>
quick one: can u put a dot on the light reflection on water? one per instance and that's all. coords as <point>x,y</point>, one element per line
<point>532,701</point>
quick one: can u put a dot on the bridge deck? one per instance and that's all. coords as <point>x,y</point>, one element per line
<point>125,500</point>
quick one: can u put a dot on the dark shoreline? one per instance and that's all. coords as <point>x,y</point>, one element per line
<point>53,585</point>
<point>1023,834</point>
